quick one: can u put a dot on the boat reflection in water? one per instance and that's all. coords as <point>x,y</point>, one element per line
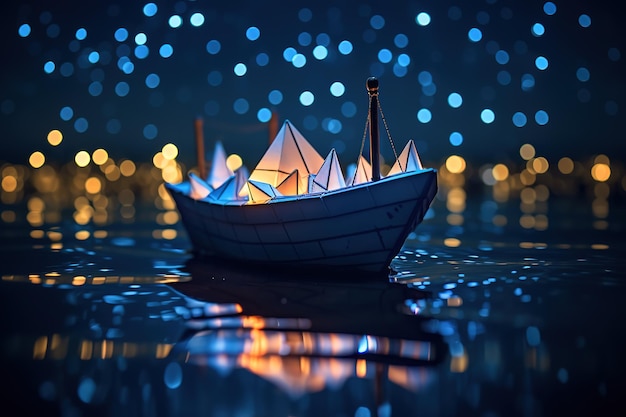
<point>199,340</point>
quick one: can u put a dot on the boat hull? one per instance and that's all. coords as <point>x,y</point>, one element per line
<point>358,228</point>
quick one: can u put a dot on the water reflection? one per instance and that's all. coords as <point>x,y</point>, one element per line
<point>106,343</point>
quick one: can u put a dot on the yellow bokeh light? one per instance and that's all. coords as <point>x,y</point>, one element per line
<point>55,137</point>
<point>455,164</point>
<point>127,168</point>
<point>100,156</point>
<point>82,158</point>
<point>159,160</point>
<point>35,204</point>
<point>36,159</point>
<point>234,162</point>
<point>9,183</point>
<point>540,165</point>
<point>112,172</point>
<point>600,172</point>
<point>452,242</point>
<point>601,159</point>
<point>527,151</point>
<point>93,185</point>
<point>170,151</point>
<point>566,165</point>
<point>527,178</point>
<point>82,235</point>
<point>500,172</point>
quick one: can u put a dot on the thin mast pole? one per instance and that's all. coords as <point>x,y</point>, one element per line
<point>198,123</point>
<point>372,91</point>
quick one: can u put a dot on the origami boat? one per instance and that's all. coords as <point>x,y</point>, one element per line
<point>297,210</point>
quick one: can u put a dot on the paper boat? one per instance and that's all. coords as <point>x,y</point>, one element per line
<point>297,210</point>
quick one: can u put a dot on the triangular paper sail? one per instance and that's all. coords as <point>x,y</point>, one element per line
<point>329,177</point>
<point>288,152</point>
<point>229,191</point>
<point>363,172</point>
<point>408,160</point>
<point>199,187</point>
<point>290,185</point>
<point>261,192</point>
<point>219,170</point>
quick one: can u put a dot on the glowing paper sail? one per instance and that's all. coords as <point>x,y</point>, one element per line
<point>199,187</point>
<point>229,190</point>
<point>219,170</point>
<point>290,185</point>
<point>261,192</point>
<point>408,160</point>
<point>329,177</point>
<point>288,152</point>
<point>362,174</point>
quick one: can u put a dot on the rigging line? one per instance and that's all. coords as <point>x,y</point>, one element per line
<point>393,147</point>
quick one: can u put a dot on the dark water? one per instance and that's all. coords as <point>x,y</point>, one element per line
<point>478,319</point>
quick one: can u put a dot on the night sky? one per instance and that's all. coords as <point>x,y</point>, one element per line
<point>473,78</point>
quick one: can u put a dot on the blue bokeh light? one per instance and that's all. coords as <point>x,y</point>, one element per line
<point>240,69</point>
<point>549,8</point>
<point>345,47</point>
<point>455,100</point>
<point>66,113</point>
<point>24,30</point>
<point>487,116</point>
<point>166,50</point>
<point>196,19</point>
<point>422,19</point>
<point>150,131</point>
<point>150,9</point>
<point>519,119</point>
<point>320,52</point>
<point>377,22</point>
<point>456,139</point>
<point>474,35</point>
<point>121,34</point>
<point>241,106</point>
<point>583,74</point>
<point>262,59</point>
<point>538,29</point>
<point>213,46</point>
<point>152,80</point>
<point>253,33</point>
<point>541,63</point>
<point>337,89</point>
<point>81,34</point>
<point>424,115</point>
<point>401,40</point>
<point>275,97</point>
<point>264,115</point>
<point>541,117</point>
<point>307,98</point>
<point>384,55</point>
<point>175,21</point>
<point>584,20</point>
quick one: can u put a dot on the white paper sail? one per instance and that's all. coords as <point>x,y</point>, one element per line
<point>288,152</point>
<point>199,187</point>
<point>229,190</point>
<point>329,177</point>
<point>363,173</point>
<point>219,170</point>
<point>408,160</point>
<point>261,192</point>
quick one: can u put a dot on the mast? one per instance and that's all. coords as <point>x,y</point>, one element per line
<point>372,91</point>
<point>198,123</point>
